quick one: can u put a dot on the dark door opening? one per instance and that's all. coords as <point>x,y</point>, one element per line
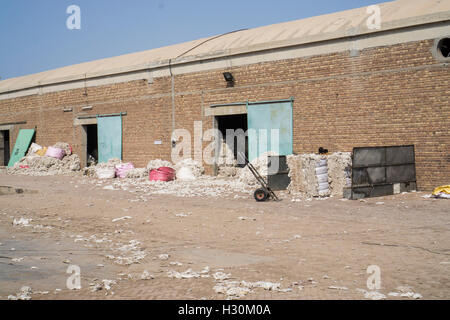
<point>91,144</point>
<point>237,123</point>
<point>4,147</point>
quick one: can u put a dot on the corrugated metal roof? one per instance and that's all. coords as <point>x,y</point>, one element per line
<point>397,14</point>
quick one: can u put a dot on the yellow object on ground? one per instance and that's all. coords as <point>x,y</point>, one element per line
<point>41,152</point>
<point>444,189</point>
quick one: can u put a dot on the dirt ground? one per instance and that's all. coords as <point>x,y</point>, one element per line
<point>309,249</point>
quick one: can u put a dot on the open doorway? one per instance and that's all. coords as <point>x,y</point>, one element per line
<point>91,144</point>
<point>228,151</point>
<point>4,147</point>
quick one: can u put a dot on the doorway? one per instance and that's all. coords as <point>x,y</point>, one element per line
<point>91,144</point>
<point>236,143</point>
<point>4,147</point>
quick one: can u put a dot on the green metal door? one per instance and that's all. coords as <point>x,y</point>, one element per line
<point>109,138</point>
<point>269,128</point>
<point>21,146</point>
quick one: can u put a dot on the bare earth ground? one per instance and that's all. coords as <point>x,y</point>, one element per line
<point>317,249</point>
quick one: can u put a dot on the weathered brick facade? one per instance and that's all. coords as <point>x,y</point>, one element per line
<point>391,95</point>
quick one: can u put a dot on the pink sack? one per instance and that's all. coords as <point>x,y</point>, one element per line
<point>122,169</point>
<point>55,153</point>
<point>162,174</point>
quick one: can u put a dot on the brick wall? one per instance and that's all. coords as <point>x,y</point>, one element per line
<point>395,95</point>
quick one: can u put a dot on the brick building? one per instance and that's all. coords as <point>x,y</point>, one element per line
<point>351,85</point>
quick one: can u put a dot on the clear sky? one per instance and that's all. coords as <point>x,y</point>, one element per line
<point>34,36</point>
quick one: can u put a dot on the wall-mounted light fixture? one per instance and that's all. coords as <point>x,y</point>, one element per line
<point>68,110</point>
<point>86,108</point>
<point>229,79</point>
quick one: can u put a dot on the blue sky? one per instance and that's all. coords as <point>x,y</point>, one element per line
<point>34,36</point>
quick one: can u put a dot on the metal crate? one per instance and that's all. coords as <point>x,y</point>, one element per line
<point>380,171</point>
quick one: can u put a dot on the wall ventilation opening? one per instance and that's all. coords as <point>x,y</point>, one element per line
<point>444,47</point>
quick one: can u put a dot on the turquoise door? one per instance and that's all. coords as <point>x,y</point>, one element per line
<point>21,146</point>
<point>109,138</point>
<point>269,128</point>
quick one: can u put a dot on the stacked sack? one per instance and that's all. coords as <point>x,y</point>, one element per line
<point>322,177</point>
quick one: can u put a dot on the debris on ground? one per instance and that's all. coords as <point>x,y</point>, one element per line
<point>107,283</point>
<point>24,294</point>
<point>100,285</point>
<point>405,292</point>
<point>146,276</point>
<point>232,289</point>
<point>188,274</point>
<point>17,259</point>
<point>202,186</point>
<point>442,192</point>
<point>23,222</point>
<point>372,295</point>
<point>337,288</point>
<point>182,215</point>
<point>247,218</point>
<point>221,276</point>
<point>239,289</point>
<point>130,253</point>
<point>122,218</point>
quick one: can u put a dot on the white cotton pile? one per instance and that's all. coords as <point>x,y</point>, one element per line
<point>35,165</point>
<point>188,170</point>
<point>158,163</point>
<point>137,173</point>
<point>105,170</point>
<point>261,165</point>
